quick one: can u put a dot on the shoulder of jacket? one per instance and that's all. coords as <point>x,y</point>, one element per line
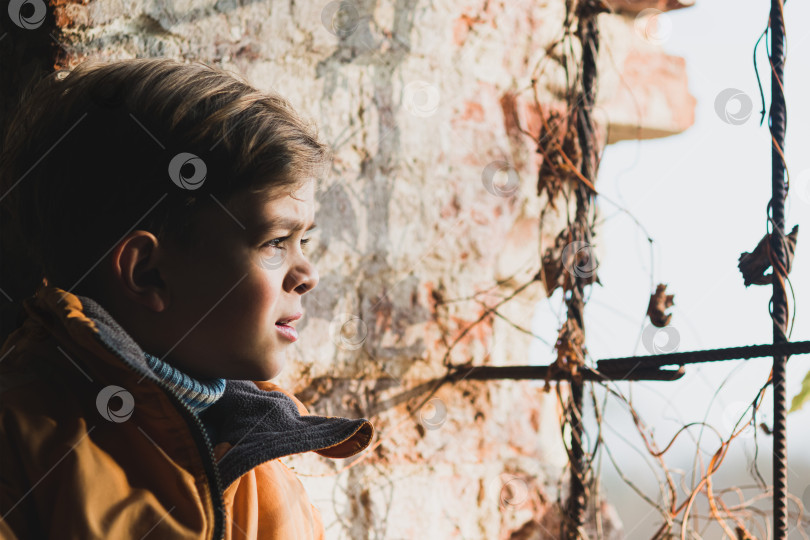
<point>25,377</point>
<point>36,393</point>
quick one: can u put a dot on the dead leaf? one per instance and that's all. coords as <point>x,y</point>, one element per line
<point>569,347</point>
<point>552,264</point>
<point>590,8</point>
<point>562,267</point>
<point>557,141</point>
<point>659,302</point>
<point>753,265</point>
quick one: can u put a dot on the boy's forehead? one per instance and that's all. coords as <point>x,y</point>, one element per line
<point>284,208</point>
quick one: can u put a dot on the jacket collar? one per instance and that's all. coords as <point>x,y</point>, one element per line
<point>260,424</point>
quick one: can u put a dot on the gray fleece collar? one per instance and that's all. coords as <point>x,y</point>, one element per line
<point>259,425</point>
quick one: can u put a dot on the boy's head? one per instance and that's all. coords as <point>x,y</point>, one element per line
<point>177,196</point>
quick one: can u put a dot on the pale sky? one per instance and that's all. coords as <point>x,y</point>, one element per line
<point>702,197</point>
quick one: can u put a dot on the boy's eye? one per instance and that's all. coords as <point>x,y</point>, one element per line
<point>277,242</point>
<point>274,243</point>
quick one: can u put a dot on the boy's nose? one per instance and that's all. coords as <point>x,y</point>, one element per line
<point>311,281</point>
<point>303,277</point>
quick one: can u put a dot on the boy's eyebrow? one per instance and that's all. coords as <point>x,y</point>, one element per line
<point>283,223</point>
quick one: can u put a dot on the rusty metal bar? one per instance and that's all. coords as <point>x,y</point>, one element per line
<point>489,373</point>
<point>626,364</point>
<point>632,368</point>
<point>778,121</point>
<point>588,33</point>
<point>576,497</point>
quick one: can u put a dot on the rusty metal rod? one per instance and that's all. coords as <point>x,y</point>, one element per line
<point>588,34</point>
<point>697,357</point>
<point>778,122</point>
<point>489,373</point>
<point>576,497</point>
<point>631,368</point>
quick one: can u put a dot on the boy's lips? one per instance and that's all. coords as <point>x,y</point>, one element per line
<point>285,329</point>
<point>288,320</point>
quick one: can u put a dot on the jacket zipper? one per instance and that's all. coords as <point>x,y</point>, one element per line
<point>209,463</point>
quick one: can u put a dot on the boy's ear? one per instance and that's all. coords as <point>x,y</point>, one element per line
<point>135,270</point>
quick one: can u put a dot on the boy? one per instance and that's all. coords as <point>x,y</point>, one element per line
<point>155,216</point>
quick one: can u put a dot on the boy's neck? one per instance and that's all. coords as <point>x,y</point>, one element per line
<point>199,394</point>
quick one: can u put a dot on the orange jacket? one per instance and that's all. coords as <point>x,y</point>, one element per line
<point>134,461</point>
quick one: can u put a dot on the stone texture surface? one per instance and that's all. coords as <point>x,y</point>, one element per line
<point>636,6</point>
<point>431,196</point>
<point>643,91</point>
